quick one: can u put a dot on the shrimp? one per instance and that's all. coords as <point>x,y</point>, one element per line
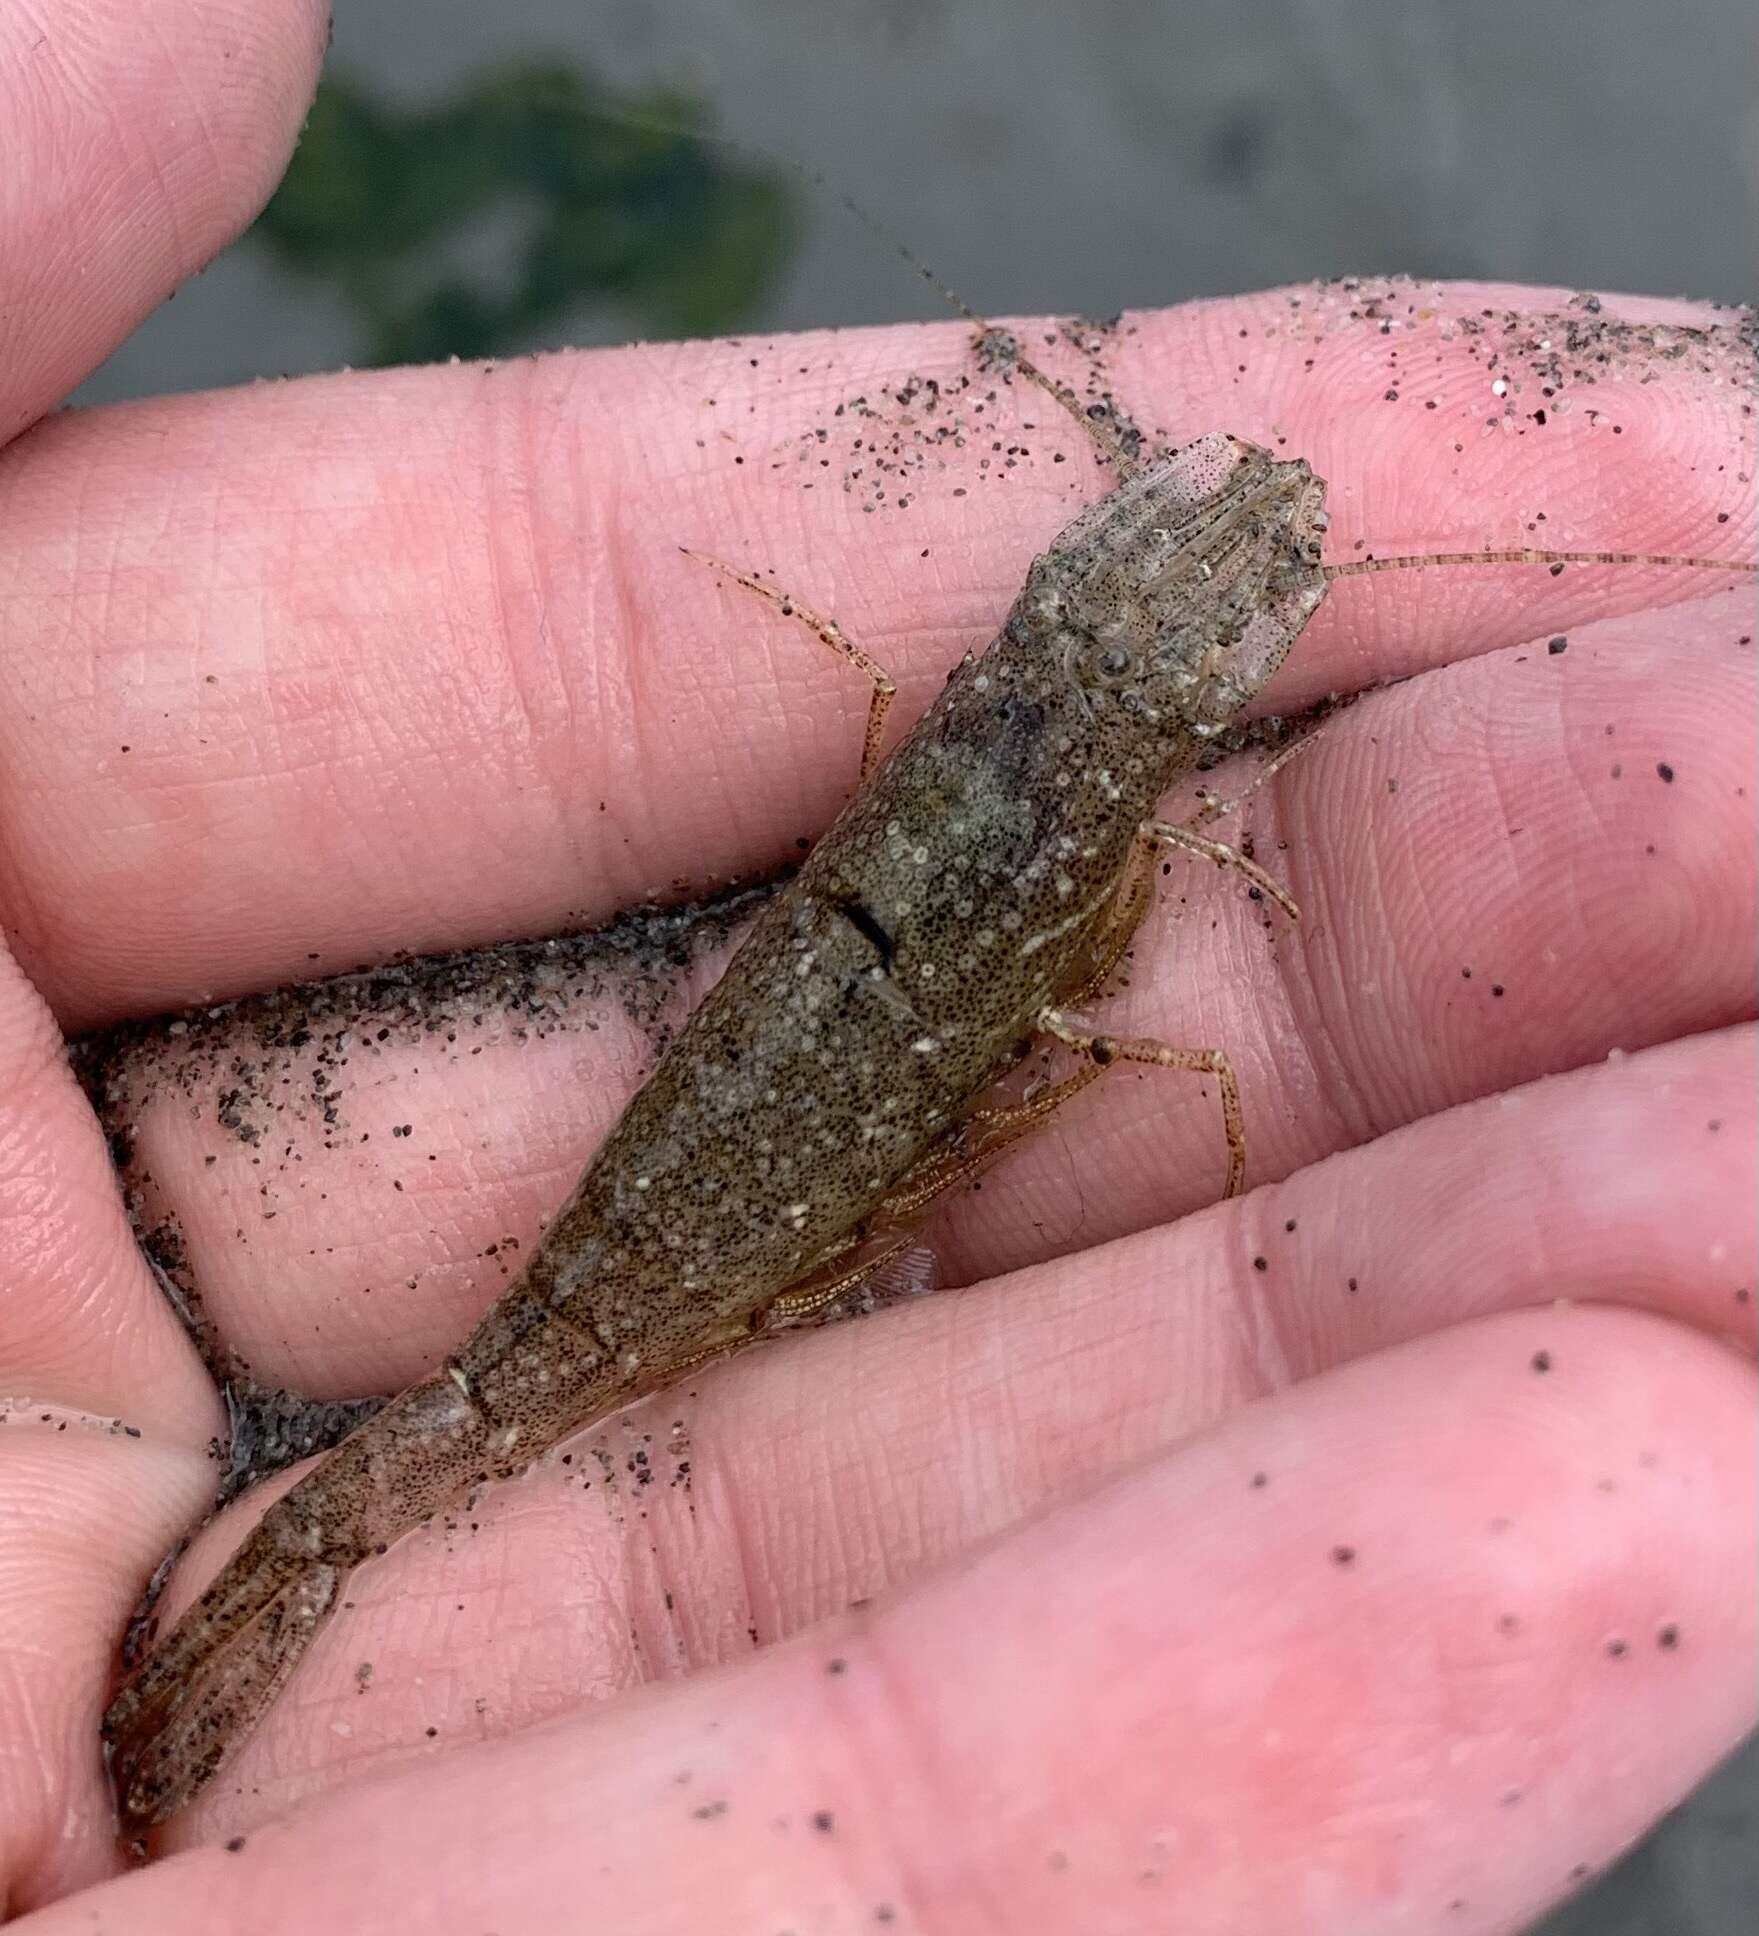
<point>978,890</point>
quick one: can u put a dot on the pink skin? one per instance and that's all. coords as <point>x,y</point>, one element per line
<point>1105,1680</point>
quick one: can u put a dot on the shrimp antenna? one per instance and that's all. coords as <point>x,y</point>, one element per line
<point>1525,555</point>
<point>1111,432</point>
<point>1115,438</point>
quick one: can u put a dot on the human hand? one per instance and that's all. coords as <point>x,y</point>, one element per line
<point>1335,1591</point>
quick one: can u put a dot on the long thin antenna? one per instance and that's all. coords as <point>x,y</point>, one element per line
<point>1100,421</point>
<point>1116,446</point>
<point>1113,445</point>
<point>1361,567</point>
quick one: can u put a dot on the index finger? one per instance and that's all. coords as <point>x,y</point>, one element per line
<point>298,677</point>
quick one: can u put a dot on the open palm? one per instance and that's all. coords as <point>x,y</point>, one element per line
<point>1369,1553</point>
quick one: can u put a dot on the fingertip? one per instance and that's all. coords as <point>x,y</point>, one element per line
<point>142,139</point>
<point>81,1323</point>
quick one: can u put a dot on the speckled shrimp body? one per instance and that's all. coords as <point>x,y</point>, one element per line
<point>828,1089</point>
<point>984,881</point>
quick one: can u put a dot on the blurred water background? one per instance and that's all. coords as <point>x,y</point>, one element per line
<point>457,193</point>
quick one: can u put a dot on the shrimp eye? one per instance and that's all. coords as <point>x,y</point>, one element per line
<point>1108,663</point>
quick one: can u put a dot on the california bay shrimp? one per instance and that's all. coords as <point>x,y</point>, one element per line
<point>977,892</point>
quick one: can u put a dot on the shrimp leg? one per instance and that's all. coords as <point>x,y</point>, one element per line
<point>830,633</point>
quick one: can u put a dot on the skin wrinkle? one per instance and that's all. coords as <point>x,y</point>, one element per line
<point>85,1300</point>
<point>599,689</point>
<point>1677,443</point>
<point>1595,805</point>
<point>867,1542</point>
<point>1495,763</point>
<point>1330,1077</point>
<point>1421,991</point>
<point>740,1539</point>
<point>1294,956</point>
<point>194,100</point>
<point>43,57</point>
<point>975,1406</point>
<point>169,213</point>
<point>905,1704</point>
<point>1434,917</point>
<point>547,585</point>
<point>115,202</point>
<point>40,1193</point>
<point>22,914</point>
<point>1536,1208</point>
<point>1584,752</point>
<point>279,567</point>
<point>517,583</point>
<point>1272,1331</point>
<point>623,691</point>
<point>1611,969</point>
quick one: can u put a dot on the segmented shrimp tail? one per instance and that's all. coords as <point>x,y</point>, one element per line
<point>207,1683</point>
<point>168,1730</point>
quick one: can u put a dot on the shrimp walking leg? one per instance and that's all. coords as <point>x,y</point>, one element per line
<point>1214,806</point>
<point>803,1302</point>
<point>833,635</point>
<point>981,1138</point>
<point>1133,896</point>
<point>1108,1049</point>
<point>1185,834</point>
<point>1163,833</point>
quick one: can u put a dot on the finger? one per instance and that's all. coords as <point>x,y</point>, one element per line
<point>1355,1661</point>
<point>756,1500</point>
<point>86,1507</point>
<point>298,678</point>
<point>1494,889</point>
<point>1445,413</point>
<point>1507,868</point>
<point>93,1370</point>
<point>141,137</point>
<point>83,1325</point>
